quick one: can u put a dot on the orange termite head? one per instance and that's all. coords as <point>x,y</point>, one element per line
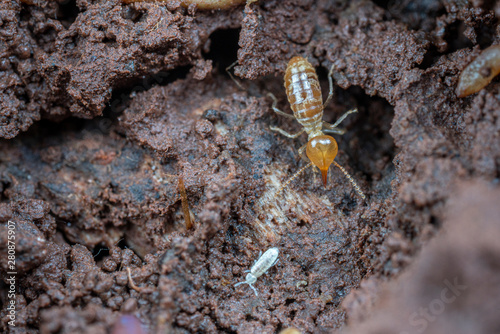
<point>321,150</point>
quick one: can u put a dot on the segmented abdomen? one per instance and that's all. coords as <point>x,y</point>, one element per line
<point>304,92</point>
<point>265,262</point>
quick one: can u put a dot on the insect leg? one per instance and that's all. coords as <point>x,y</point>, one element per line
<point>232,77</point>
<point>301,150</point>
<point>240,283</point>
<point>330,82</point>
<point>333,127</point>
<point>337,131</point>
<point>284,133</point>
<point>254,290</point>
<point>276,110</point>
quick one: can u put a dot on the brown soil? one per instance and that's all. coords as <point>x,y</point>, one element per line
<point>103,106</point>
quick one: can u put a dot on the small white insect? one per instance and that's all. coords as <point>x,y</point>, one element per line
<point>266,261</point>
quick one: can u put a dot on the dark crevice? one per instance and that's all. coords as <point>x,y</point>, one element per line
<point>382,3</point>
<point>486,35</point>
<point>223,48</point>
<point>301,223</point>
<point>67,12</point>
<point>434,222</point>
<point>129,88</point>
<point>100,252</point>
<point>429,58</point>
<point>368,130</point>
<point>132,14</point>
<point>49,132</point>
<point>455,37</point>
<point>416,15</point>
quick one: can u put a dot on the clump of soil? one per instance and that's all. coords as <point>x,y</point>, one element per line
<point>105,105</point>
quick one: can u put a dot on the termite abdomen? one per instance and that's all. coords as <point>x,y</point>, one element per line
<point>480,72</point>
<point>304,92</point>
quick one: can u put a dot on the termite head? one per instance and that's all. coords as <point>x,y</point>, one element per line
<point>250,279</point>
<point>321,150</point>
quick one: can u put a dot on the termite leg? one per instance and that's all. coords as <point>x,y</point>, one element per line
<point>276,110</point>
<point>232,77</point>
<point>284,133</point>
<point>337,131</point>
<point>330,82</point>
<point>254,290</point>
<point>333,127</point>
<point>301,150</point>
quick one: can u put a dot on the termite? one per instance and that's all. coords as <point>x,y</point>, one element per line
<point>266,261</point>
<point>480,72</point>
<point>304,95</point>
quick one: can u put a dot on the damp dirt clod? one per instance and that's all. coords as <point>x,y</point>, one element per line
<point>140,181</point>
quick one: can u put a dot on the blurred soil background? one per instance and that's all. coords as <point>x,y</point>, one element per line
<point>105,105</point>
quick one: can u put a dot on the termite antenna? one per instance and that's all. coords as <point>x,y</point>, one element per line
<point>131,282</point>
<point>232,77</point>
<point>349,177</point>
<point>292,178</point>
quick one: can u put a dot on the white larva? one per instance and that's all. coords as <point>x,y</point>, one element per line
<point>266,261</point>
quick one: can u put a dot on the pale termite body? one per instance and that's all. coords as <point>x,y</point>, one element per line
<point>266,261</point>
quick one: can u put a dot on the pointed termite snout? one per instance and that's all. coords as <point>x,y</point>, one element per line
<point>324,176</point>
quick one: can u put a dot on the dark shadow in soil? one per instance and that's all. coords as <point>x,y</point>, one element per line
<point>223,49</point>
<point>122,95</point>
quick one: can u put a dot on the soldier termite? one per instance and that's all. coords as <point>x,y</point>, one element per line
<point>266,261</point>
<point>304,95</point>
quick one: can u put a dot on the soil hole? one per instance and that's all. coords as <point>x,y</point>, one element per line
<point>100,252</point>
<point>429,58</point>
<point>132,14</point>
<point>223,48</point>
<point>67,13</point>
<point>456,38</point>
<point>485,35</point>
<point>301,223</point>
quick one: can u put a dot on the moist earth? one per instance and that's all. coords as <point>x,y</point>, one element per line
<point>105,106</point>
